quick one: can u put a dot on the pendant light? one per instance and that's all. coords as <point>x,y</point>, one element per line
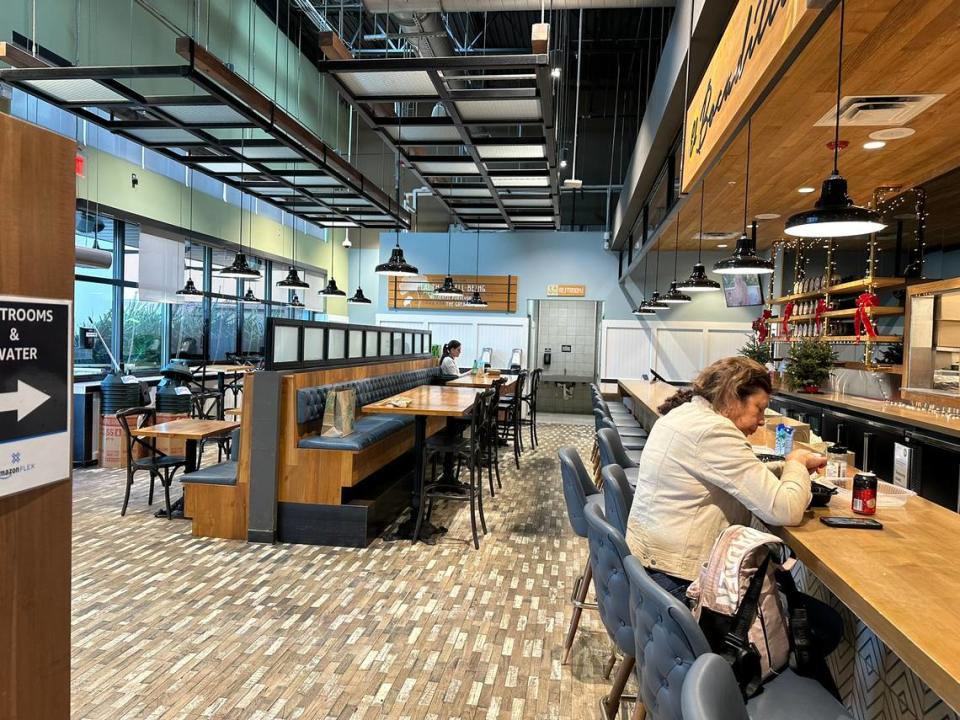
<point>698,282</point>
<point>745,260</point>
<point>655,302</point>
<point>476,300</point>
<point>644,307</point>
<point>249,298</point>
<point>448,290</point>
<point>358,298</point>
<point>674,296</point>
<point>397,265</point>
<point>292,280</point>
<point>189,291</point>
<point>331,290</point>
<point>240,268</point>
<point>295,302</point>
<point>834,214</point>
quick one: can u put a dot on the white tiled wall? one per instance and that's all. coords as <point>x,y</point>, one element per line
<point>573,323</point>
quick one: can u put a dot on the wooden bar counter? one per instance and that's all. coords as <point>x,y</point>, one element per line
<point>903,581</point>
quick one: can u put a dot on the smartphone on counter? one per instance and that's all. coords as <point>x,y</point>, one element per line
<point>852,523</point>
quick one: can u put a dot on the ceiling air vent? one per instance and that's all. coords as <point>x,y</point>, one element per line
<point>878,109</point>
<point>717,235</point>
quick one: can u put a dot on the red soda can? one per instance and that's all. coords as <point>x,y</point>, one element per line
<point>864,493</point>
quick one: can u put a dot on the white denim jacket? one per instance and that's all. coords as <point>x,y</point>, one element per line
<point>698,475</point>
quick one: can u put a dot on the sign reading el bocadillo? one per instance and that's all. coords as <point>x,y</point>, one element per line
<point>759,38</point>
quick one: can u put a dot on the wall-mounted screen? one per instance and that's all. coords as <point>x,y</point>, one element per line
<point>742,290</point>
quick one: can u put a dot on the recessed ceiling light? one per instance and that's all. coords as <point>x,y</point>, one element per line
<point>896,133</point>
<point>731,182</point>
<point>806,190</point>
<point>874,145</point>
<point>766,216</point>
<point>722,245</point>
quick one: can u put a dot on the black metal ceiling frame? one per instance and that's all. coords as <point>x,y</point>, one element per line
<point>311,150</point>
<point>436,69</point>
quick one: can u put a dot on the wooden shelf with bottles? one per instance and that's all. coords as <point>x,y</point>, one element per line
<point>847,288</point>
<point>882,311</point>
<point>843,339</point>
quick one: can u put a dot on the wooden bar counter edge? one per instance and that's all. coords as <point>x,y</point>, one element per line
<point>903,581</point>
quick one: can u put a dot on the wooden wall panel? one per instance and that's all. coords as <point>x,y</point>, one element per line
<point>415,293</point>
<point>37,202</point>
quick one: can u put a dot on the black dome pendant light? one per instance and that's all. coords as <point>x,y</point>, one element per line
<point>476,300</point>
<point>834,214</point>
<point>655,302</point>
<point>358,298</point>
<point>189,291</point>
<point>674,296</point>
<point>448,290</point>
<point>292,280</point>
<point>644,307</point>
<point>745,260</point>
<point>698,282</point>
<point>397,265</point>
<point>240,268</point>
<point>331,290</point>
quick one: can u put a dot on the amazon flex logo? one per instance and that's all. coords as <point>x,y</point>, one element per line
<point>15,458</point>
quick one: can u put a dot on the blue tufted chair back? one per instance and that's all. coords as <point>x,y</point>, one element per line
<point>611,448</point>
<point>608,550</point>
<point>710,691</point>
<point>577,485</point>
<point>617,497</point>
<point>667,640</point>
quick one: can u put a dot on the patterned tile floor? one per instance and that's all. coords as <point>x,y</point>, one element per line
<point>170,626</point>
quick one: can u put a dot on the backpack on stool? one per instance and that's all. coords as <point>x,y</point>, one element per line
<point>738,606</point>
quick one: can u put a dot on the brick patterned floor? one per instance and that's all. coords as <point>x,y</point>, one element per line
<point>170,626</point>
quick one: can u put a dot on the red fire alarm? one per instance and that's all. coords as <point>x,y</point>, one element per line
<point>79,164</point>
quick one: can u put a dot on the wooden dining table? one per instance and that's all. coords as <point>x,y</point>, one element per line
<point>425,401</point>
<point>483,381</point>
<point>192,430</point>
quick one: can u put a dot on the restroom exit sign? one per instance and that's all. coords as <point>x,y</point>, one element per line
<point>555,290</point>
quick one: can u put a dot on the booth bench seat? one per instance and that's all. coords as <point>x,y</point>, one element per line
<point>213,500</point>
<point>367,430</point>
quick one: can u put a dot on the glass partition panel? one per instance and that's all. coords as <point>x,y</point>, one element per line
<point>254,328</point>
<point>385,346</point>
<point>142,332</point>
<point>356,343</point>
<point>336,344</point>
<point>312,344</point>
<point>285,343</point>
<point>397,343</point>
<point>408,343</point>
<point>223,328</point>
<point>372,337</point>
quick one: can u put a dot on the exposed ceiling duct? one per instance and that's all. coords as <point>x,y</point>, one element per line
<point>425,33</point>
<point>436,6</point>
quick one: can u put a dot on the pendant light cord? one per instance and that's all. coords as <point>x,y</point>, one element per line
<point>700,236</point>
<point>836,129</point>
<point>656,276</point>
<point>477,276</point>
<point>676,248</point>
<point>576,109</point>
<point>746,182</point>
<point>448,251</point>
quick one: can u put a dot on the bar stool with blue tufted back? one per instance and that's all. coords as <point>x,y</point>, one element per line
<point>578,491</point>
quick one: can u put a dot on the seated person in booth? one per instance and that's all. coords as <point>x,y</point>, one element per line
<point>448,360</point>
<point>699,475</point>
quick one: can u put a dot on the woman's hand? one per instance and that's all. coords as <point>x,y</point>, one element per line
<point>808,458</point>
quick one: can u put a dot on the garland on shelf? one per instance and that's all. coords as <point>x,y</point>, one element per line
<point>862,317</point>
<point>818,314</point>
<point>760,325</point>
<point>787,313</point>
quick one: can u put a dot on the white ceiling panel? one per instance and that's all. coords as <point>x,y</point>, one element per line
<point>520,181</point>
<point>76,90</point>
<point>423,133</point>
<point>404,82</point>
<point>510,152</point>
<point>515,109</point>
<point>461,168</point>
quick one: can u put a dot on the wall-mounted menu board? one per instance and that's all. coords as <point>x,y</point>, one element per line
<point>416,293</point>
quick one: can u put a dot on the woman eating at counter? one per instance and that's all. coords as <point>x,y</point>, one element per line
<point>698,473</point>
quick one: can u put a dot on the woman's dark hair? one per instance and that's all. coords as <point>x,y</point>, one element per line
<point>722,383</point>
<point>452,345</point>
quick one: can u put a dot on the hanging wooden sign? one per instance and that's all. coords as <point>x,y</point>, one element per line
<point>416,293</point>
<point>758,40</point>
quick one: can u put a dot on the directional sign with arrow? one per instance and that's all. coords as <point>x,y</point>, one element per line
<point>35,390</point>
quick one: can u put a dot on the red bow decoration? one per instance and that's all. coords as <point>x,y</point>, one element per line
<point>818,313</point>
<point>787,312</point>
<point>862,316</point>
<point>760,325</point>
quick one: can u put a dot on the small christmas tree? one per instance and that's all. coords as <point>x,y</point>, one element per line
<point>808,365</point>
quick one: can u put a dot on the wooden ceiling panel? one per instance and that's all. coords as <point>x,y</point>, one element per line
<point>891,47</point>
